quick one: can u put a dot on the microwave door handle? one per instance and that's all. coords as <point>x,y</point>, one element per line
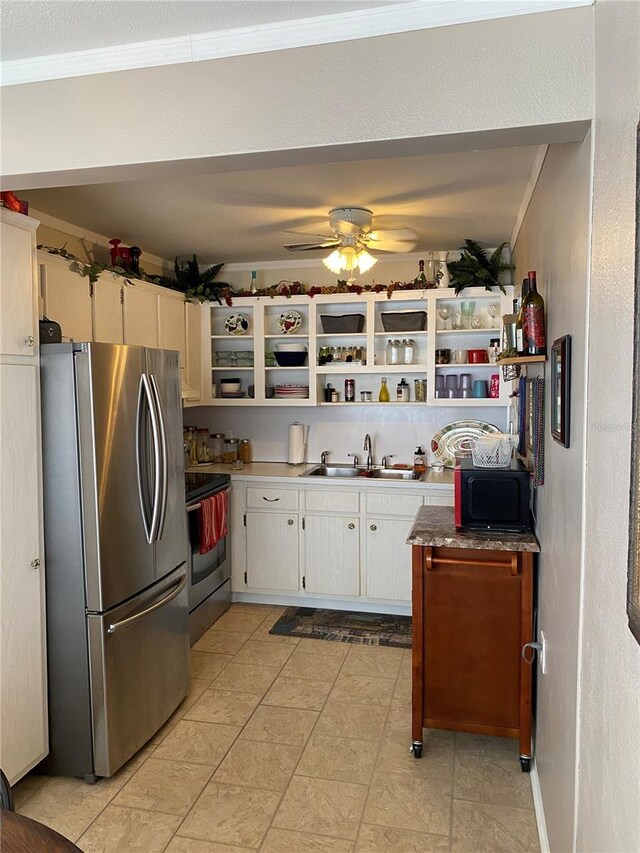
<point>125,623</point>
<point>164,470</point>
<point>142,396</point>
<point>157,459</point>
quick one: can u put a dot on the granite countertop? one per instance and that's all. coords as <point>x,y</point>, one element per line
<point>283,471</point>
<point>434,526</point>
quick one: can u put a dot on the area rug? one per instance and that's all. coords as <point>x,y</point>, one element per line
<point>345,626</point>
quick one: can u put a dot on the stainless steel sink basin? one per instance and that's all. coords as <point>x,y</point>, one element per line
<point>350,471</point>
<point>394,474</point>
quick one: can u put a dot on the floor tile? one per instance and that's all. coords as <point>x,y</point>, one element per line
<point>262,634</point>
<point>436,762</point>
<point>330,648</point>
<point>481,828</point>
<point>403,688</point>
<point>281,840</point>
<point>272,724</point>
<point>258,765</point>
<point>490,780</point>
<point>246,678</point>
<point>26,788</point>
<point>196,688</point>
<point>191,845</point>
<point>164,786</point>
<point>234,620</point>
<point>373,660</point>
<point>298,693</point>
<point>363,689</point>
<point>339,758</point>
<point>206,665</point>
<point>121,830</point>
<point>222,642</point>
<point>263,654</point>
<point>347,720</point>
<point>313,666</point>
<point>197,743</point>
<point>387,839</point>
<point>409,802</point>
<point>230,814</point>
<point>497,747</point>
<point>248,607</point>
<point>226,707</point>
<point>322,807</point>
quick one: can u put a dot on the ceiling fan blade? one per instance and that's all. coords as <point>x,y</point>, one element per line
<point>308,247</point>
<point>407,234</point>
<point>392,240</point>
<point>317,234</point>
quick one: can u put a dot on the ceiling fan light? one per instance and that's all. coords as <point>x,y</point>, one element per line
<point>365,261</point>
<point>333,262</point>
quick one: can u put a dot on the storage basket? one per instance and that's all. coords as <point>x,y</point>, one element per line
<point>493,451</point>
<point>404,321</point>
<point>342,324</point>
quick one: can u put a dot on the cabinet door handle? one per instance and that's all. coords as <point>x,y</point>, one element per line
<point>29,341</point>
<point>35,564</point>
<point>270,500</point>
<point>352,526</point>
<point>290,521</point>
<point>373,527</point>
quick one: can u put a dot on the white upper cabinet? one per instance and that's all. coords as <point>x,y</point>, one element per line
<point>171,324</point>
<point>18,308</point>
<point>107,310</point>
<point>140,316</point>
<point>193,378</point>
<point>67,300</point>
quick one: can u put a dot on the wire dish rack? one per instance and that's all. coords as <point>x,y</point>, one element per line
<point>493,451</point>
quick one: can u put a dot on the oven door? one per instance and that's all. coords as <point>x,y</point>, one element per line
<point>207,572</point>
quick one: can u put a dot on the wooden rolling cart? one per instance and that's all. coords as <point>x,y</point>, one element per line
<point>472,611</point>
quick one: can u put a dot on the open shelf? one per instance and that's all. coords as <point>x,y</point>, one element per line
<point>382,369</point>
<point>482,402</point>
<point>374,403</point>
<point>277,367</point>
<point>287,337</point>
<point>468,331</point>
<point>341,335</point>
<point>400,334</point>
<point>468,366</point>
<point>523,359</point>
<point>231,337</point>
<point>231,369</point>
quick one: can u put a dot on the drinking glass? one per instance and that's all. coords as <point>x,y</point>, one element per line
<point>456,322</point>
<point>492,311</point>
<point>445,312</point>
<point>467,309</point>
<point>477,321</point>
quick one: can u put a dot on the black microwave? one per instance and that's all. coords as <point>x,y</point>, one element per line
<point>492,498</point>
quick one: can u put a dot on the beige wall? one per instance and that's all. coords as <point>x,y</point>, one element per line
<point>516,72</point>
<point>608,816</point>
<point>554,240</point>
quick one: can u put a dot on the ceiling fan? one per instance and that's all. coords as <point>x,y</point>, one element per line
<point>353,234</point>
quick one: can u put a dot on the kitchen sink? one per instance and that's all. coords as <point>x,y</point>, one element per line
<point>350,471</point>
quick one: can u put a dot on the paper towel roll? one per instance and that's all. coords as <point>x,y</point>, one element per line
<point>297,443</point>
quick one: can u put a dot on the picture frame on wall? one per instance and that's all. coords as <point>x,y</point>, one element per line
<point>561,390</point>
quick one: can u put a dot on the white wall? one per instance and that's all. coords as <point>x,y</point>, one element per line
<point>608,815</point>
<point>517,72</point>
<point>554,241</point>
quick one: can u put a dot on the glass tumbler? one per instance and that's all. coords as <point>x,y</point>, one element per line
<point>439,386</point>
<point>467,309</point>
<point>420,386</point>
<point>451,385</point>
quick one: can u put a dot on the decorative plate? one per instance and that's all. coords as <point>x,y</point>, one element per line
<point>237,324</point>
<point>289,322</point>
<point>454,439</point>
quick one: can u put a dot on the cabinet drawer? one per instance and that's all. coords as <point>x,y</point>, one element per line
<point>272,498</point>
<point>440,500</point>
<point>379,503</point>
<point>329,500</point>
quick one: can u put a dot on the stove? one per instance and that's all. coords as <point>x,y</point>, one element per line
<point>201,484</point>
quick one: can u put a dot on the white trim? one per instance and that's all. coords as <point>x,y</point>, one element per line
<point>538,806</point>
<point>527,195</point>
<point>98,239</point>
<point>301,599</point>
<point>282,35</point>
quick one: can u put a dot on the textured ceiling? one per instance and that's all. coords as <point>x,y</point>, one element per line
<point>246,216</point>
<point>30,28</point>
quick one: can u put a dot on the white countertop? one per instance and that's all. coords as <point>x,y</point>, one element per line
<point>283,471</point>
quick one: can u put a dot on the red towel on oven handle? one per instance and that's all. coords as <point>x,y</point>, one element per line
<point>212,520</point>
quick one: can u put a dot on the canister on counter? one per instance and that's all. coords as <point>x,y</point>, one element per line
<point>231,450</point>
<point>216,446</point>
<point>349,390</point>
<point>245,451</point>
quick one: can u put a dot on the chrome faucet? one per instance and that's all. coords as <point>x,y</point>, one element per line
<point>323,457</point>
<point>367,447</point>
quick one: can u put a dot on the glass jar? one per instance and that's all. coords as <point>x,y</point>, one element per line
<point>420,386</point>
<point>408,351</point>
<point>245,451</point>
<point>204,454</point>
<point>402,391</point>
<point>216,446</point>
<point>230,450</point>
<point>393,352</point>
<point>193,445</point>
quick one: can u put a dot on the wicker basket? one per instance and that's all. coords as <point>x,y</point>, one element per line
<point>493,451</point>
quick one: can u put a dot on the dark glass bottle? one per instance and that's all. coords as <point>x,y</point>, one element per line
<point>520,344</point>
<point>533,326</point>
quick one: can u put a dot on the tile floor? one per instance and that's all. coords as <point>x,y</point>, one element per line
<point>293,746</point>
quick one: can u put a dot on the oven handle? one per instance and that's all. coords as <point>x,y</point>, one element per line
<point>193,507</point>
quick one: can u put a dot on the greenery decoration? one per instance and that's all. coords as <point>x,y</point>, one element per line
<point>200,285</point>
<point>477,269</point>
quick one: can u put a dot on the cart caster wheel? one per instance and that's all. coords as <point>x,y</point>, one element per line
<point>416,749</point>
<point>525,764</point>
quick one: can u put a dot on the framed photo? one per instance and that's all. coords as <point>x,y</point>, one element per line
<point>561,389</point>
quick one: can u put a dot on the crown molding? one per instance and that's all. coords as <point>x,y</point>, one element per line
<point>282,35</point>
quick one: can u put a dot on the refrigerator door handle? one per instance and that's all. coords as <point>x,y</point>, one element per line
<point>162,433</point>
<point>159,463</point>
<point>125,623</point>
<point>143,392</point>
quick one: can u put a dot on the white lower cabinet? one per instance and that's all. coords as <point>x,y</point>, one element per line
<point>272,551</point>
<point>388,559</point>
<point>332,555</point>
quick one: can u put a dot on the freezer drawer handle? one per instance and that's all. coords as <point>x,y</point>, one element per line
<point>125,623</point>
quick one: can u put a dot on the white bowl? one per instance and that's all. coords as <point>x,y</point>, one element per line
<point>291,347</point>
<point>230,387</point>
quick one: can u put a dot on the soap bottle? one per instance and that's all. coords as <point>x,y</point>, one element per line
<point>383,396</point>
<point>419,463</point>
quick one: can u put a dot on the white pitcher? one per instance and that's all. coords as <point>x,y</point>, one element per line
<point>442,273</point>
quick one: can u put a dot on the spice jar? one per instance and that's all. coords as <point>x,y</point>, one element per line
<point>245,451</point>
<point>402,391</point>
<point>349,390</point>
<point>216,446</point>
<point>204,454</point>
<point>230,450</point>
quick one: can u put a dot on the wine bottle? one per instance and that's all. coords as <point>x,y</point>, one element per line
<point>519,310</point>
<point>421,277</point>
<point>533,319</point>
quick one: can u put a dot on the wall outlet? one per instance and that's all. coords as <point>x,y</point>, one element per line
<point>542,654</point>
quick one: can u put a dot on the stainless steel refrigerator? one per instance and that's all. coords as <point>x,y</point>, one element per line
<point>115,551</point>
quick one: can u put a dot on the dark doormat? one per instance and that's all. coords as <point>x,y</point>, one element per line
<point>345,626</point>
